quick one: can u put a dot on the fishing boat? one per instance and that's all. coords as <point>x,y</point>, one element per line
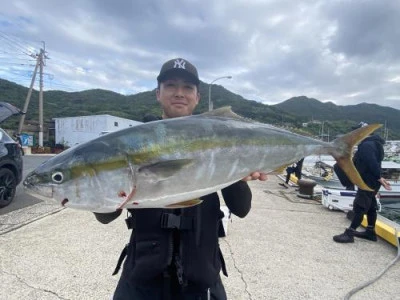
<point>334,196</point>
<point>320,169</point>
<point>387,225</point>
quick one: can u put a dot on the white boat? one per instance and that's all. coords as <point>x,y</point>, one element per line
<point>320,169</point>
<point>343,200</point>
<point>336,199</point>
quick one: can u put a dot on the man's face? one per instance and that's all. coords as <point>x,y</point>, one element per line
<point>178,97</point>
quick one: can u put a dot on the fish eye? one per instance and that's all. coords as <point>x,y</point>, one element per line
<point>57,177</point>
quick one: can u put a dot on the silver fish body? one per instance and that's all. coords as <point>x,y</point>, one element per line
<point>169,162</point>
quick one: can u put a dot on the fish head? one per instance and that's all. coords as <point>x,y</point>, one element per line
<point>81,179</point>
<point>48,180</point>
<point>45,185</point>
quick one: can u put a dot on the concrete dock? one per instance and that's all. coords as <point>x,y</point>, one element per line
<point>282,250</point>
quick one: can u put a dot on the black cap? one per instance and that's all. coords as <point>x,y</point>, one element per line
<point>179,66</point>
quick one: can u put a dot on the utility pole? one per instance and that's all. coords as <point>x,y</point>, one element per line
<point>210,103</point>
<point>385,132</point>
<point>28,97</point>
<point>42,56</point>
<point>40,63</point>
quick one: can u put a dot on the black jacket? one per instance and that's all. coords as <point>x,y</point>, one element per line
<point>152,247</point>
<point>368,160</point>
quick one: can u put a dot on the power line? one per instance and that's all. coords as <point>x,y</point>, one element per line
<point>16,64</point>
<point>16,58</point>
<point>18,68</point>
<point>15,44</point>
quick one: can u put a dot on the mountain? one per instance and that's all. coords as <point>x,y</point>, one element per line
<point>66,104</point>
<point>291,113</point>
<point>312,109</point>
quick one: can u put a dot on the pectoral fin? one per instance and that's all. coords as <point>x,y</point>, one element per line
<point>185,204</point>
<point>165,169</point>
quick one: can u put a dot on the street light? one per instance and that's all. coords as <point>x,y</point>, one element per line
<point>210,103</point>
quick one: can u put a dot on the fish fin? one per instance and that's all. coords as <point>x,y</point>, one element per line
<point>185,204</point>
<point>225,112</point>
<point>348,167</point>
<point>356,136</point>
<point>344,149</point>
<point>165,169</point>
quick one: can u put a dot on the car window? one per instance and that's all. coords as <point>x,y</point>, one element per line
<point>7,110</point>
<point>4,137</point>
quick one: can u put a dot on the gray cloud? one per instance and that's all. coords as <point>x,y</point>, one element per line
<point>366,29</point>
<point>341,51</point>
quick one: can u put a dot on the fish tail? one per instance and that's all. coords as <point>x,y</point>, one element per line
<point>342,151</point>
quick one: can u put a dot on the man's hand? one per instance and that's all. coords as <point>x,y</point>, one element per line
<point>385,184</point>
<point>256,176</point>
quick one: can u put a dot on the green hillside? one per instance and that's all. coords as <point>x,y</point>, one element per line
<point>291,113</point>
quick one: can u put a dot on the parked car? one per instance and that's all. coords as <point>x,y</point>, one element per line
<point>11,163</point>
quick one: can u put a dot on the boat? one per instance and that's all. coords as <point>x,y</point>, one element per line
<point>387,226</point>
<point>334,196</point>
<point>320,169</point>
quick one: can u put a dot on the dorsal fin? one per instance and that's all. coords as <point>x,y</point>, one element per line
<point>225,112</point>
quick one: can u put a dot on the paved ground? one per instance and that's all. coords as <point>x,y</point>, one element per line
<point>282,250</point>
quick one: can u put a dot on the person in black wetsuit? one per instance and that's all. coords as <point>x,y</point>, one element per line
<point>296,169</point>
<point>368,161</point>
<point>175,254</point>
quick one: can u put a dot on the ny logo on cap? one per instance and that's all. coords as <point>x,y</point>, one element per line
<point>179,63</point>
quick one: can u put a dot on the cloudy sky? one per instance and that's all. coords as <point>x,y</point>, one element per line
<point>343,51</point>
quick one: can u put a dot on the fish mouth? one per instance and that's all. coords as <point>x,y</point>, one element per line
<point>33,187</point>
<point>38,195</point>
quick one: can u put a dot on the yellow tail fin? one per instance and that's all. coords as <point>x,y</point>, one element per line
<point>343,152</point>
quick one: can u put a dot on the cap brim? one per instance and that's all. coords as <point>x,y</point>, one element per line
<point>178,73</point>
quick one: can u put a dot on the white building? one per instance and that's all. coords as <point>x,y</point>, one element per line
<point>72,131</point>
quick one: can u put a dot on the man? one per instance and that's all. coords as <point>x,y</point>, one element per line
<point>174,254</point>
<point>368,160</point>
<point>18,138</point>
<point>296,169</point>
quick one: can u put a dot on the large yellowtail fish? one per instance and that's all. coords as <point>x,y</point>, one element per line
<point>171,163</point>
